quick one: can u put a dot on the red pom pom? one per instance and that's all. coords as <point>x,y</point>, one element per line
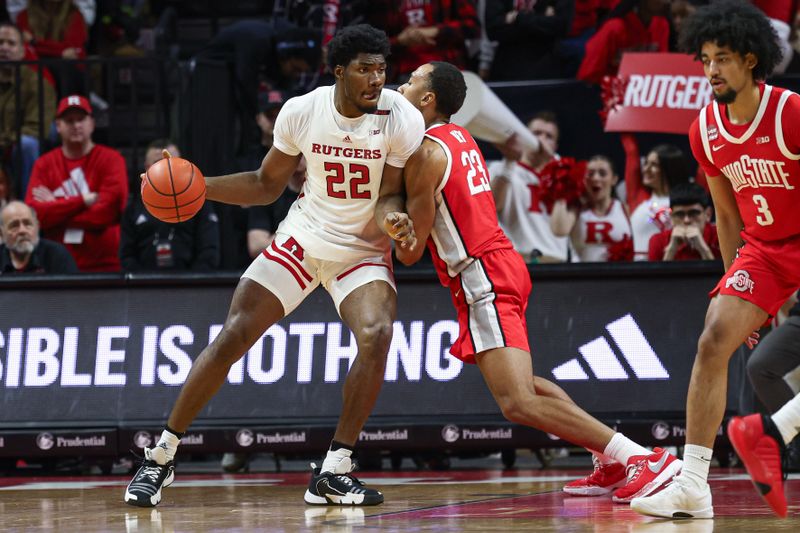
<point>563,179</point>
<point>621,250</point>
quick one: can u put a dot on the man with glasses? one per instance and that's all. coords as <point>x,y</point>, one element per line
<point>692,236</point>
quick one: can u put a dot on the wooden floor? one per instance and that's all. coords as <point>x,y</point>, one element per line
<point>476,500</point>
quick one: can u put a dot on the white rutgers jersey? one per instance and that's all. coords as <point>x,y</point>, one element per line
<point>333,218</point>
<point>594,233</point>
<point>524,217</point>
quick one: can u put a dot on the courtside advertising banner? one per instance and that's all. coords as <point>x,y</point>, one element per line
<point>118,355</point>
<point>660,93</point>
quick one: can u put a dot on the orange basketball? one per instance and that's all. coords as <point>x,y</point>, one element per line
<point>173,189</point>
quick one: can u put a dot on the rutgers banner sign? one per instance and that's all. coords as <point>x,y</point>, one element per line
<point>657,93</point>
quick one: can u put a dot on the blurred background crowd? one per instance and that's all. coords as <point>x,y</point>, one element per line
<point>92,91</point>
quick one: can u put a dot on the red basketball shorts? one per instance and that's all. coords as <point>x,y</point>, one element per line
<point>491,296</point>
<point>763,273</point>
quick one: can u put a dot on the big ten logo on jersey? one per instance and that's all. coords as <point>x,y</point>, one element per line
<point>598,232</point>
<point>473,162</point>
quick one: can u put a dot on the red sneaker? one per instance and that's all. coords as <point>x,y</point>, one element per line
<point>603,480</point>
<point>647,473</point>
<point>758,443</point>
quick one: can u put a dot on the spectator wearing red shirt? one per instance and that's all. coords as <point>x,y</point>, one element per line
<point>693,236</point>
<point>634,26</point>
<point>79,190</point>
<point>424,30</point>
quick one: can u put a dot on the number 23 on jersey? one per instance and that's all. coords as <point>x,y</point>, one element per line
<point>472,162</point>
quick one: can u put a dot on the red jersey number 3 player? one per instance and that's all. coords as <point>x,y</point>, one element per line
<point>748,143</point>
<point>450,207</point>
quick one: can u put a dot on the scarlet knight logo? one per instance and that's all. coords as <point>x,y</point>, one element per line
<point>740,281</point>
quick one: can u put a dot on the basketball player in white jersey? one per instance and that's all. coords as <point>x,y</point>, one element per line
<point>599,230</point>
<point>451,209</point>
<point>353,134</point>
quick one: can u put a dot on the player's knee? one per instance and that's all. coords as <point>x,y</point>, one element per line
<point>374,336</point>
<point>518,409</point>
<point>714,337</point>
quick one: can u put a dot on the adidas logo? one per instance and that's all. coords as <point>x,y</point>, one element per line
<point>347,139</point>
<point>604,362</point>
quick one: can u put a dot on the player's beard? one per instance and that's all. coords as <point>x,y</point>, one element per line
<point>727,97</point>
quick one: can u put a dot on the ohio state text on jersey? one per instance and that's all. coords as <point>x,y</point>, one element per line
<point>760,159</point>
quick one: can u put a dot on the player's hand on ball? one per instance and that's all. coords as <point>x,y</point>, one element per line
<point>400,228</point>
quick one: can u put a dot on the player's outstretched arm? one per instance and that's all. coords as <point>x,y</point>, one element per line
<point>729,220</point>
<point>424,172</point>
<point>257,187</point>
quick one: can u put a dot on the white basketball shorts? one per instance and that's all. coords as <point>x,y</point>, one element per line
<point>287,271</point>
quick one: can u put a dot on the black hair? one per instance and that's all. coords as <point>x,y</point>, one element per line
<point>447,83</point>
<point>302,43</point>
<point>738,25</point>
<point>673,163</point>
<point>357,39</point>
<point>688,194</point>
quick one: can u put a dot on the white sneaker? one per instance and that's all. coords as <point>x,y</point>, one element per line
<point>679,499</point>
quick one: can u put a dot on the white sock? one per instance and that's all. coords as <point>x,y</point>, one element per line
<point>696,460</point>
<point>337,462</point>
<point>788,419</point>
<point>621,448</point>
<point>169,441</point>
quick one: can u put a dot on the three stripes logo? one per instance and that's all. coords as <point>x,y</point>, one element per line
<point>604,363</point>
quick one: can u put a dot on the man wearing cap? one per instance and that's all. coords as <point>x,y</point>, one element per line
<point>79,190</point>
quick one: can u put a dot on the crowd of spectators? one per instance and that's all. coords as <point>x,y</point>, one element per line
<point>80,197</point>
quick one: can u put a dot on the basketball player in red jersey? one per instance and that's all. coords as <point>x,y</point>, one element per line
<point>748,143</point>
<point>451,208</point>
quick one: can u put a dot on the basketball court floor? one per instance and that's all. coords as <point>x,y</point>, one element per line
<point>467,500</point>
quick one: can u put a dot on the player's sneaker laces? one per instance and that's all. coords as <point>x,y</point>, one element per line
<point>341,488</point>
<point>602,480</point>
<point>144,490</point>
<point>647,473</point>
<point>760,446</point>
<point>679,499</point>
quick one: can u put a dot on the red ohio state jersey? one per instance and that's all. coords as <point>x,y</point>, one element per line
<point>465,226</point>
<point>760,159</point>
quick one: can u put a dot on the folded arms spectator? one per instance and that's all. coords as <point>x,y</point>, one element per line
<point>79,190</point>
